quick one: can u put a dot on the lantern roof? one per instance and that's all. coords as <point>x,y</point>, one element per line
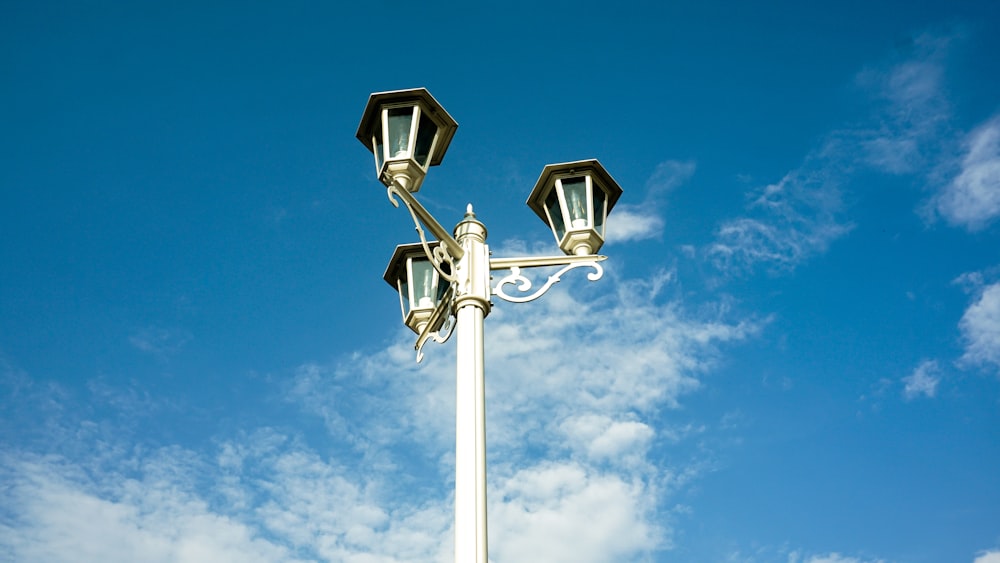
<point>397,264</point>
<point>421,96</point>
<point>536,201</point>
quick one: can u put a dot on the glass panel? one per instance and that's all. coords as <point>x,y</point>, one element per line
<point>555,214</point>
<point>425,137</point>
<point>424,282</point>
<point>400,121</point>
<point>600,201</point>
<point>576,200</point>
<point>379,146</point>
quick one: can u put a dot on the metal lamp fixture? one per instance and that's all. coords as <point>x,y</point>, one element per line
<point>574,199</point>
<point>444,283</point>
<point>420,286</point>
<point>407,132</point>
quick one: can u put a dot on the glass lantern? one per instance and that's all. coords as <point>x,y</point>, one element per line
<point>574,199</point>
<point>419,284</point>
<point>407,132</point>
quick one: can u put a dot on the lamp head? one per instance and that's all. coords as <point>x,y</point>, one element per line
<point>419,284</point>
<point>574,199</point>
<point>407,131</point>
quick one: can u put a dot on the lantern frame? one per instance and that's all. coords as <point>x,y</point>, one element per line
<point>575,234</point>
<point>408,262</point>
<point>406,159</point>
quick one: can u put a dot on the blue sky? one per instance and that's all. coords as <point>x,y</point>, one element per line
<point>794,355</point>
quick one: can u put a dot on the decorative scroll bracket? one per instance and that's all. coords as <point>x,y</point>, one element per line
<point>524,285</point>
<point>440,320</point>
<point>449,250</point>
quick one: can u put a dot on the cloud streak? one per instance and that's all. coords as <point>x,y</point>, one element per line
<point>791,220</point>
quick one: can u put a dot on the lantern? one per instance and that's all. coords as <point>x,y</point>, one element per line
<point>407,131</point>
<point>419,284</point>
<point>574,199</point>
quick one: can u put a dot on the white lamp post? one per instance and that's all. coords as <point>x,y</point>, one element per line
<point>449,275</point>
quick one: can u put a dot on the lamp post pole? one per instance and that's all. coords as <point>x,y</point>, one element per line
<point>449,276</point>
<point>472,304</point>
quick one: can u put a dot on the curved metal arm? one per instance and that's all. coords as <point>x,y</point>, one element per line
<point>524,284</point>
<point>448,252</point>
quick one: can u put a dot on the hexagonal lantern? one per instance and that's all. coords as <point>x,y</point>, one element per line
<point>407,131</point>
<point>419,284</point>
<point>574,199</point>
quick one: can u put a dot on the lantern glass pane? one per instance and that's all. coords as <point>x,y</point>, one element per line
<point>576,201</point>
<point>600,204</point>
<point>379,145</point>
<point>400,122</point>
<point>424,280</point>
<point>425,138</point>
<point>555,214</point>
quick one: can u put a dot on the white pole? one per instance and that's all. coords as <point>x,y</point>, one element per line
<point>472,305</point>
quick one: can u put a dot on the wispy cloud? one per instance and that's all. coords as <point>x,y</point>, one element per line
<point>644,220</point>
<point>909,131</point>
<point>788,221</point>
<point>830,558</point>
<point>159,341</point>
<point>769,554</point>
<point>910,120</point>
<point>923,381</point>
<point>989,556</point>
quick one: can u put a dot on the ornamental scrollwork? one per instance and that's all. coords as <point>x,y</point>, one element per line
<point>524,285</point>
<point>440,326</point>
<point>439,255</point>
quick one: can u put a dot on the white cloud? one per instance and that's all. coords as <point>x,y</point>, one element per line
<point>600,437</point>
<point>788,222</point>
<point>798,557</point>
<point>991,556</point>
<point>771,553</point>
<point>980,326</point>
<point>60,517</point>
<point>294,507</point>
<point>923,381</point>
<point>633,222</point>
<point>565,512</point>
<point>972,198</point>
<point>630,222</point>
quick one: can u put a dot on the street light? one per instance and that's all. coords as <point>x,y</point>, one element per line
<point>444,282</point>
